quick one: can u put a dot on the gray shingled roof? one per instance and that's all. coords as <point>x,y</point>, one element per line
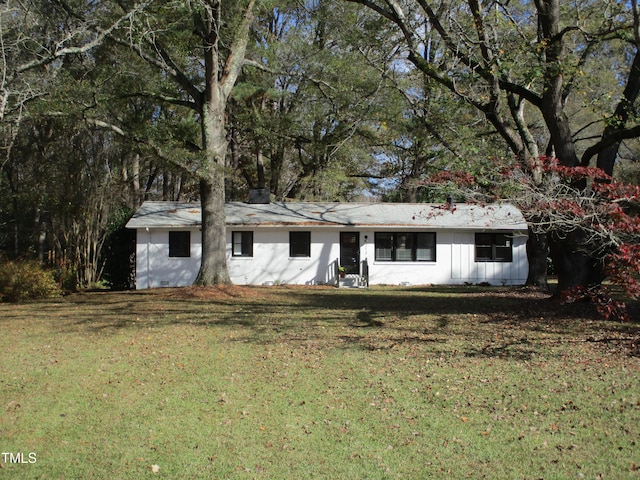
<point>406,215</point>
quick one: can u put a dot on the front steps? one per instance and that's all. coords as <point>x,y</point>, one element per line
<point>352,281</point>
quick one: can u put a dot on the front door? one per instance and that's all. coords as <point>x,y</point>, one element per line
<point>350,252</point>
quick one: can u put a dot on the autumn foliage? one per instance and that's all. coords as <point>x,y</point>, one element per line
<point>570,199</point>
<point>614,225</point>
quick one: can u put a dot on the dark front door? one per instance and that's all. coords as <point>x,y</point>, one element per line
<point>350,252</point>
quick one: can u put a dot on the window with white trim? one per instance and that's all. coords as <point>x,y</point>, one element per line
<point>242,244</point>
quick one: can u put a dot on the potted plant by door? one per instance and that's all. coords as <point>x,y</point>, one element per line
<point>341,271</point>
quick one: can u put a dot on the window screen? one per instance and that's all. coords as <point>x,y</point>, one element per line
<point>426,247</point>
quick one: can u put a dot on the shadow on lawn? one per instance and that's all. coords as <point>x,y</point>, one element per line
<point>374,319</point>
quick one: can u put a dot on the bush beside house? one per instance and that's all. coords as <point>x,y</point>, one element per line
<point>26,280</point>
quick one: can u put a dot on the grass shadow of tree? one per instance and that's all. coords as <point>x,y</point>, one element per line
<point>379,318</point>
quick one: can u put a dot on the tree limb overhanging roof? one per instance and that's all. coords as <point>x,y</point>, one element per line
<point>498,216</point>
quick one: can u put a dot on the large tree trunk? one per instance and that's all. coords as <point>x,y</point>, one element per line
<point>213,268</point>
<point>537,253</point>
<point>574,266</point>
<point>220,77</point>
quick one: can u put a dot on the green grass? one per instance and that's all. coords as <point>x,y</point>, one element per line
<point>284,382</point>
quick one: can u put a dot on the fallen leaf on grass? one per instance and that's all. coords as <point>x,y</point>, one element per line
<point>155,468</point>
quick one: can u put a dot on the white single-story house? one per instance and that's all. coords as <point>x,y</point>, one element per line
<point>320,243</point>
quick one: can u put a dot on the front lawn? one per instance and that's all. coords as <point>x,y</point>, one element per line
<point>291,382</point>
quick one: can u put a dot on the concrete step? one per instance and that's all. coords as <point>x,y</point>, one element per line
<point>352,281</point>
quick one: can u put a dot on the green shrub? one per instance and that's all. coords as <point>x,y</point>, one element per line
<point>25,280</point>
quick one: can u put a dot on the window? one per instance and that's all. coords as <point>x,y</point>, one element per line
<point>242,244</point>
<point>405,247</point>
<point>384,246</point>
<point>299,244</point>
<point>180,244</point>
<point>493,247</point>
<point>426,247</point>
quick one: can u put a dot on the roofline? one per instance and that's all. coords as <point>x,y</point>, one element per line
<point>193,220</point>
<point>249,226</point>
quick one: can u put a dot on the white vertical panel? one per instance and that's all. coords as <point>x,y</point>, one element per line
<point>456,257</point>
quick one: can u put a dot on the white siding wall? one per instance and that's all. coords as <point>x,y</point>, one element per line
<point>455,261</point>
<point>271,261</point>
<point>152,255</point>
<point>413,273</point>
<point>464,268</point>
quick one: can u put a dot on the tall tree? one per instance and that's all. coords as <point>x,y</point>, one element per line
<point>519,63</point>
<point>303,127</point>
<point>42,47</point>
<point>197,50</point>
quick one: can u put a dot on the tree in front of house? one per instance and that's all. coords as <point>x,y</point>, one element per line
<point>586,203</point>
<point>194,52</point>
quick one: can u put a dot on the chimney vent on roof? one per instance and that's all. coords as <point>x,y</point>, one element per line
<point>450,202</point>
<point>259,195</point>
